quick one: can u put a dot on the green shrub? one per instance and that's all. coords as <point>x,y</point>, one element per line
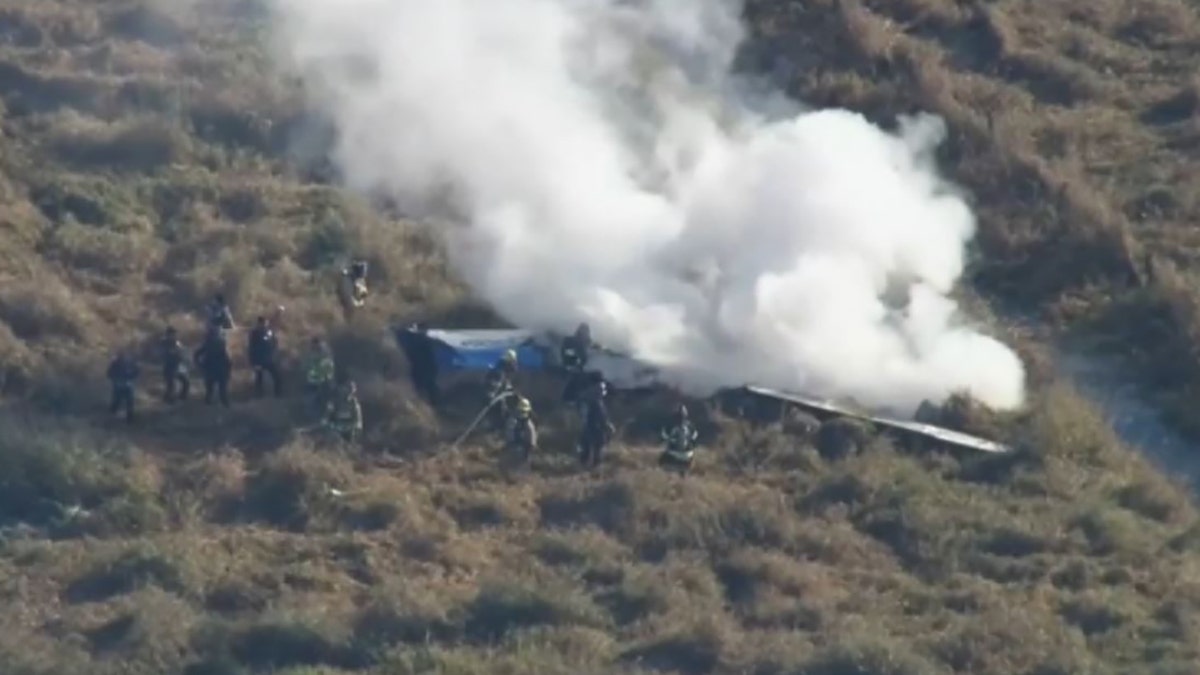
<point>866,656</point>
<point>45,467</point>
<point>130,571</point>
<point>501,609</point>
<point>292,489</point>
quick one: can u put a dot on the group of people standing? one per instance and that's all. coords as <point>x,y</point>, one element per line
<point>339,406</point>
<point>585,391</point>
<point>510,413</point>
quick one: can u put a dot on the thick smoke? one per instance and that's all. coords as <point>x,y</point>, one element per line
<point>605,166</point>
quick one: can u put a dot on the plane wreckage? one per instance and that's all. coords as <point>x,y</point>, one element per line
<point>477,350</point>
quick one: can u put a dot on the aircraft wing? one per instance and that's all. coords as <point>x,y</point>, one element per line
<point>477,350</point>
<point>941,434</point>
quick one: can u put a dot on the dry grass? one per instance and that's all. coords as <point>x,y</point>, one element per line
<point>148,159</point>
<point>1069,558</point>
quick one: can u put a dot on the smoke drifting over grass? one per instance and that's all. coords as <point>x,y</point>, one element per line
<point>608,168</point>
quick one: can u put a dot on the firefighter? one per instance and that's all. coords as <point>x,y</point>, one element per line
<point>319,372</point>
<point>422,361</point>
<point>575,349</point>
<point>680,439</point>
<point>261,351</point>
<point>219,314</point>
<point>597,430</point>
<point>356,274</point>
<point>574,354</point>
<point>522,431</point>
<point>500,376</point>
<point>344,414</point>
<point>174,366</point>
<point>500,385</point>
<point>213,360</point>
<point>122,373</point>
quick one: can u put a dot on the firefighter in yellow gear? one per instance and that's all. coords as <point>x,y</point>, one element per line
<point>521,434</point>
<point>319,372</point>
<point>680,440</point>
<point>499,385</point>
<point>500,377</point>
<point>343,414</point>
<point>356,275</point>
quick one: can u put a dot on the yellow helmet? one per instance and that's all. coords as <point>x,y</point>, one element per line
<point>510,356</point>
<point>524,406</point>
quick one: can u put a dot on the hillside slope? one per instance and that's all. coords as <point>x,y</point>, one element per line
<point>149,158</point>
<point>1072,127</point>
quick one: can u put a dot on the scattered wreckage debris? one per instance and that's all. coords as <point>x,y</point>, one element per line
<point>477,350</point>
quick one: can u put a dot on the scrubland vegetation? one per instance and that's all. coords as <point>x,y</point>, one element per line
<point>149,158</point>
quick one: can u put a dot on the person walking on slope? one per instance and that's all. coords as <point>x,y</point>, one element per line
<point>422,361</point>
<point>261,350</point>
<point>597,429</point>
<point>680,439</point>
<point>521,435</point>
<point>501,388</point>
<point>174,367</point>
<point>123,372</point>
<point>343,414</point>
<point>213,360</point>
<point>319,372</point>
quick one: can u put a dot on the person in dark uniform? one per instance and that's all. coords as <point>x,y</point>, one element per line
<point>418,348</point>
<point>174,367</point>
<point>212,358</point>
<point>122,373</point>
<point>576,348</point>
<point>597,429</point>
<point>262,350</point>
<point>573,355</point>
<point>219,314</point>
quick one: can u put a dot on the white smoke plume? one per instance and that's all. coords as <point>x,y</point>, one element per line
<point>607,167</point>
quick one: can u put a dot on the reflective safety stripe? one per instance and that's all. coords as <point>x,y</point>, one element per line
<point>682,455</point>
<point>345,414</point>
<point>680,436</point>
<point>321,372</point>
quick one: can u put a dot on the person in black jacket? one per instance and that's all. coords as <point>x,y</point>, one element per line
<point>422,361</point>
<point>213,360</point>
<point>219,314</point>
<point>123,372</point>
<point>575,349</point>
<point>573,354</point>
<point>174,367</point>
<point>597,429</point>
<point>261,350</point>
